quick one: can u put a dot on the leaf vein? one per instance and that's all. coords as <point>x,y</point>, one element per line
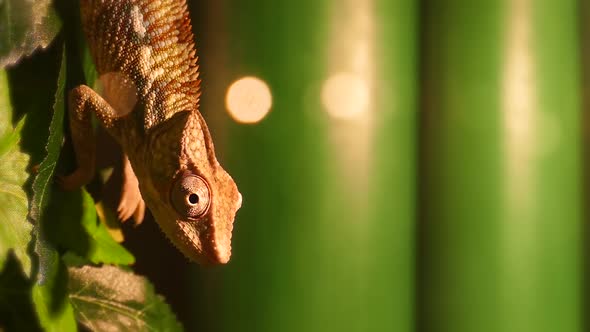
<point>115,306</point>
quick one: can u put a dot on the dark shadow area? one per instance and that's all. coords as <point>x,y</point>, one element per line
<point>32,86</point>
<point>16,307</point>
<point>72,32</point>
<point>59,290</point>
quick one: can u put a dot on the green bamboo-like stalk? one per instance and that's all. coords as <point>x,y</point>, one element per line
<point>500,237</point>
<point>324,241</point>
<point>391,255</point>
<point>585,119</point>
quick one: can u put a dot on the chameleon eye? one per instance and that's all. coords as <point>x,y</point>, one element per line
<point>190,196</point>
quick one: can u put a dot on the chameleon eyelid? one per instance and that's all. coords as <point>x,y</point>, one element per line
<point>190,196</point>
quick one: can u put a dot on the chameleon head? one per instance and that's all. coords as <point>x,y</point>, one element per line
<point>193,199</point>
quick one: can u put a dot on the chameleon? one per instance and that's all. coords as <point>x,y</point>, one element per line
<point>148,100</point>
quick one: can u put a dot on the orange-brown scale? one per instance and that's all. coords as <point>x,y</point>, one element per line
<point>166,76</point>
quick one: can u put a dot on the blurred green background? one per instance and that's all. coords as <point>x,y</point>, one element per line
<point>325,239</point>
<point>423,166</point>
<point>448,196</point>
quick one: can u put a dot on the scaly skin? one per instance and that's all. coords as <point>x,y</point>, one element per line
<point>148,100</point>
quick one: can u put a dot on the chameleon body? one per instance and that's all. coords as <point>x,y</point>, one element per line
<point>148,101</point>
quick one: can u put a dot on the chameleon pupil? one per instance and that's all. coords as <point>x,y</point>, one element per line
<point>193,199</point>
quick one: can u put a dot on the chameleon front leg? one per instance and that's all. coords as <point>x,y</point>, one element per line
<point>82,101</point>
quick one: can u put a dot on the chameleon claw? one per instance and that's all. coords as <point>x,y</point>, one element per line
<point>125,211</point>
<point>139,213</point>
<point>131,204</point>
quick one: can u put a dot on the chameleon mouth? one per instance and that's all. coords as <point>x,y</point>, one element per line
<point>222,248</point>
<point>223,224</point>
<point>199,242</point>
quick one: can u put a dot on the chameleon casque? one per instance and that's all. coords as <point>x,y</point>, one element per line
<point>148,101</point>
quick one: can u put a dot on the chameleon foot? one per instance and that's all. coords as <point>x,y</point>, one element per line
<point>131,205</point>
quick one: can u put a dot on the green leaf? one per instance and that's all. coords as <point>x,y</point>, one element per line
<point>75,226</point>
<point>43,180</point>
<point>5,104</point>
<point>24,27</point>
<point>49,293</point>
<point>109,298</point>
<point>15,230</point>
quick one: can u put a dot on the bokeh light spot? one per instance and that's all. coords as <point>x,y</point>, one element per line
<point>345,95</point>
<point>248,100</point>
